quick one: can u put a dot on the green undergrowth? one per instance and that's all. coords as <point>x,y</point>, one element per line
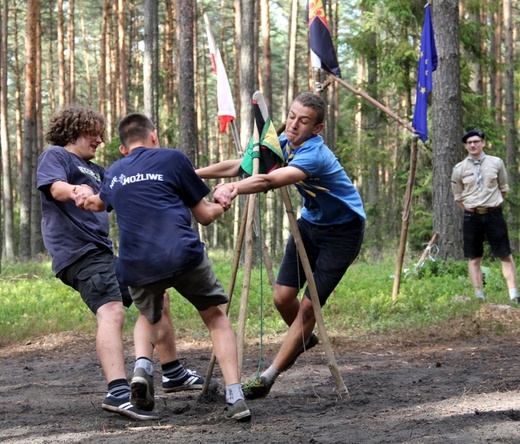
<point>34,303</point>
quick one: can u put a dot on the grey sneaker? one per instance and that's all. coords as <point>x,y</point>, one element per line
<point>141,389</point>
<point>312,342</point>
<point>257,389</point>
<point>191,381</point>
<point>124,407</point>
<point>238,411</point>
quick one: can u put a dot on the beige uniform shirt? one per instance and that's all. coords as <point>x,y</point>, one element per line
<point>494,182</point>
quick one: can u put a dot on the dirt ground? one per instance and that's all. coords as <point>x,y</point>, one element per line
<point>455,384</point>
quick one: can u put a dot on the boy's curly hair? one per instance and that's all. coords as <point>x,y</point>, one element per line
<point>73,122</point>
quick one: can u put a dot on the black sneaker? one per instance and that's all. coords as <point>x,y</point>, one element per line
<point>191,381</point>
<point>257,389</point>
<point>124,407</point>
<point>141,389</point>
<point>238,411</point>
<point>312,342</point>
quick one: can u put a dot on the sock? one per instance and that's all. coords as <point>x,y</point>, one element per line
<point>173,370</point>
<point>119,388</point>
<point>479,294</point>
<point>270,374</point>
<point>144,363</point>
<point>513,293</point>
<point>234,393</point>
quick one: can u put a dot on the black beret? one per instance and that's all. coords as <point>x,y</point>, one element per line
<point>473,133</point>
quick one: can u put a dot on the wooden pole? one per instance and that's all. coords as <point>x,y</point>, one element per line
<point>333,366</point>
<point>405,219</point>
<point>324,337</point>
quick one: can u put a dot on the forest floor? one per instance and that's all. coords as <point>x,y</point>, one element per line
<point>458,383</point>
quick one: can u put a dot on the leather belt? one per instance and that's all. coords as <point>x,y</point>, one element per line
<point>482,210</point>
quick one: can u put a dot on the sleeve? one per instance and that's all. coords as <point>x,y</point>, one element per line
<point>502,177</point>
<point>50,169</point>
<point>456,184</point>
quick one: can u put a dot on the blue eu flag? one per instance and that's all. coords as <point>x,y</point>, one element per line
<point>427,64</point>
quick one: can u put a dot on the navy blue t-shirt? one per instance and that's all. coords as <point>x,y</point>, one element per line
<point>151,191</point>
<point>69,232</point>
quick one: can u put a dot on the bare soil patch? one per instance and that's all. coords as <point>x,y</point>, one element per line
<point>455,384</point>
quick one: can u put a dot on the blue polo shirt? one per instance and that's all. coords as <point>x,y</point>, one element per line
<point>329,196</point>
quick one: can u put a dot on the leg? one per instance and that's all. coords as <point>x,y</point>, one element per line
<point>224,342</point>
<point>166,349</point>
<point>286,302</point>
<point>299,332</point>
<point>475,274</point>
<point>509,271</point>
<point>109,340</point>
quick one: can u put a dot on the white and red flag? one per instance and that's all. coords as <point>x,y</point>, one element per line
<point>226,108</point>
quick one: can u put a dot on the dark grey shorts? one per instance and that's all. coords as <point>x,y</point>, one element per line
<point>200,286</point>
<point>94,276</point>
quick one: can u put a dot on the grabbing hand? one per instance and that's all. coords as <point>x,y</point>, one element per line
<point>80,194</point>
<point>224,194</point>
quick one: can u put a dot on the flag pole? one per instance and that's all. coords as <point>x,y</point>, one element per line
<point>373,101</point>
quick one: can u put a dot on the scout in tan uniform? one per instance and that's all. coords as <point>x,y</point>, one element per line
<point>479,185</point>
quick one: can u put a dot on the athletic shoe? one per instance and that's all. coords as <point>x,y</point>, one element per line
<point>312,342</point>
<point>257,389</point>
<point>124,407</point>
<point>238,411</point>
<point>190,381</point>
<point>141,389</point>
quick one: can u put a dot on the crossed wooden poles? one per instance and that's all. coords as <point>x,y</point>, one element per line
<point>246,234</point>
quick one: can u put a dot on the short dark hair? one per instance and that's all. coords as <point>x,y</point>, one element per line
<point>73,122</point>
<point>134,127</point>
<point>311,100</point>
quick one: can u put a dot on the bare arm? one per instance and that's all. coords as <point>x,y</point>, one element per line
<point>94,203</point>
<point>64,191</point>
<point>206,212</point>
<point>226,168</point>
<point>261,182</point>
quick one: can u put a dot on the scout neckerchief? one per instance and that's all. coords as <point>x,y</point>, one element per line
<point>478,164</point>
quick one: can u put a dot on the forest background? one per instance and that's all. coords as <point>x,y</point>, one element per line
<point>153,57</point>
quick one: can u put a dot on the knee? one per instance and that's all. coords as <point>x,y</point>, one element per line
<point>112,312</point>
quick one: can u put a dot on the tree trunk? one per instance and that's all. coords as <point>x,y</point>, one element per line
<point>72,51</point>
<point>62,98</point>
<point>188,129</point>
<point>447,128</point>
<point>151,60</point>
<point>510,124</point>
<point>7,249</point>
<point>30,133</point>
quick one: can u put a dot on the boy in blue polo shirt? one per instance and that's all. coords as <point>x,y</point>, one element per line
<point>331,225</point>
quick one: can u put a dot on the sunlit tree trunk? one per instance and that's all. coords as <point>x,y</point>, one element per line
<point>122,83</point>
<point>62,98</point>
<point>290,74</point>
<point>30,145</point>
<point>71,46</point>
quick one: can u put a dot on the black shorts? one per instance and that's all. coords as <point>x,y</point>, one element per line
<point>94,276</point>
<point>490,226</point>
<point>330,250</point>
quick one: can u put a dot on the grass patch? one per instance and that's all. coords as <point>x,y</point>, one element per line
<point>33,302</point>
